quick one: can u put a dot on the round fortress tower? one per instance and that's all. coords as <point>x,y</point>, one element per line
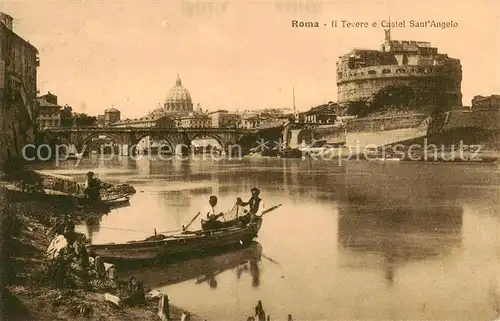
<point>418,66</point>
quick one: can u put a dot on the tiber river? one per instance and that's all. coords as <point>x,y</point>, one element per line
<point>362,241</point>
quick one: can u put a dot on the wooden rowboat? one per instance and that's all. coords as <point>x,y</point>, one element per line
<point>239,221</point>
<point>177,244</point>
<point>115,201</point>
<point>108,203</point>
<point>213,225</point>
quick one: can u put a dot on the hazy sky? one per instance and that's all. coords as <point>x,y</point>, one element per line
<point>238,55</point>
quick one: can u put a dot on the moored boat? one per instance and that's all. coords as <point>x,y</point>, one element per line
<point>115,200</point>
<point>165,246</point>
<point>106,203</point>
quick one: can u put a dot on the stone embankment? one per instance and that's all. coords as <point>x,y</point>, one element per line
<point>65,284</point>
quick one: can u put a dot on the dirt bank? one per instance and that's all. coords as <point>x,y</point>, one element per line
<point>31,291</point>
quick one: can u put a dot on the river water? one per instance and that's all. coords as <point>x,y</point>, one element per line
<point>361,241</point>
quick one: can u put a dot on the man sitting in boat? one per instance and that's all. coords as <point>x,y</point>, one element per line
<point>92,187</point>
<point>255,202</point>
<point>212,215</point>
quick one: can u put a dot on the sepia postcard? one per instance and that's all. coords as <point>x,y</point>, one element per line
<point>249,160</point>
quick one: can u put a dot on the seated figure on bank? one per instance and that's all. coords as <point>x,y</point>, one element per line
<point>92,187</point>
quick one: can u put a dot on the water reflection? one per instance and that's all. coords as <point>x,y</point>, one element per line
<point>93,225</point>
<point>392,218</point>
<point>388,237</point>
<point>413,235</point>
<point>202,270</point>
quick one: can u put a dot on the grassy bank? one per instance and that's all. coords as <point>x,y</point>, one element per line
<point>32,290</point>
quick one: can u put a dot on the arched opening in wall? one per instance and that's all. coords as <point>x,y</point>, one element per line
<point>207,144</point>
<point>99,144</point>
<point>153,145</point>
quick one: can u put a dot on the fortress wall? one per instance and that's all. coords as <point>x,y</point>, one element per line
<point>375,131</point>
<point>366,82</point>
<point>332,134</point>
<point>481,119</point>
<point>376,124</point>
<point>382,138</point>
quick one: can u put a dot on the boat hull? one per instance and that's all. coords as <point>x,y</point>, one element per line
<point>174,245</point>
<point>212,225</point>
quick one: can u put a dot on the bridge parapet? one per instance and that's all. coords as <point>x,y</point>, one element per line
<point>131,136</point>
<point>149,129</point>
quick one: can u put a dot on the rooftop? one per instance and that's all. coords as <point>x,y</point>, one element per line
<point>44,103</point>
<point>3,27</point>
<point>111,110</point>
<point>145,119</point>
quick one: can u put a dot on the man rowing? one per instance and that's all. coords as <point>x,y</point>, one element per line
<point>211,213</point>
<point>255,202</point>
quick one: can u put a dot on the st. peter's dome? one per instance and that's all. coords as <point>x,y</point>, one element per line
<point>178,99</point>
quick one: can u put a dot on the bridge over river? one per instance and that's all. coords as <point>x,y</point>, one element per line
<point>129,137</point>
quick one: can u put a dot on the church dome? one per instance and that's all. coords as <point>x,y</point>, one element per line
<point>178,99</point>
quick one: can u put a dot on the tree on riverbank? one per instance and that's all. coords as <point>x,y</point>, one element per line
<point>71,119</point>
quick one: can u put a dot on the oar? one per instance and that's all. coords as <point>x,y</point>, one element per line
<point>267,257</point>
<point>277,263</point>
<point>194,218</point>
<point>270,209</point>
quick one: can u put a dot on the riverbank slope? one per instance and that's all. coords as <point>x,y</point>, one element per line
<point>31,291</point>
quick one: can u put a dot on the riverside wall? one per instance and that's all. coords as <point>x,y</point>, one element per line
<point>484,119</point>
<point>371,130</point>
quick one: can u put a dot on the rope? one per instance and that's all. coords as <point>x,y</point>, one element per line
<point>118,229</point>
<point>131,230</point>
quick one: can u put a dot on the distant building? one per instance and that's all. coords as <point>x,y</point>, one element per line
<point>480,103</point>
<point>224,119</point>
<point>111,115</point>
<point>49,112</point>
<point>18,86</point>
<point>273,124</point>
<point>195,120</point>
<point>144,122</point>
<point>324,114</point>
<point>252,121</point>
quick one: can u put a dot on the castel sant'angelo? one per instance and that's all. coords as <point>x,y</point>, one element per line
<point>413,70</point>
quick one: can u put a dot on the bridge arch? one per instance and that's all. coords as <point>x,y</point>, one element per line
<point>201,136</point>
<point>89,138</point>
<point>153,136</point>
